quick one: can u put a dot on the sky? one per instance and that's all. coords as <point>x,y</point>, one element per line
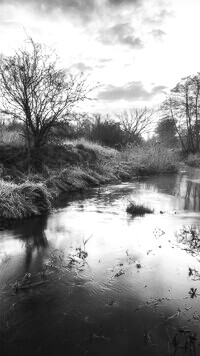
<point>136,49</point>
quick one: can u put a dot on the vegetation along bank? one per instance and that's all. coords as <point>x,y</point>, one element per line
<point>49,146</point>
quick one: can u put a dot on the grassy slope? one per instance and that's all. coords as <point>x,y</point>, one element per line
<point>76,165</point>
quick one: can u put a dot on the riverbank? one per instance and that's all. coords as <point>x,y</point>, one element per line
<point>70,167</point>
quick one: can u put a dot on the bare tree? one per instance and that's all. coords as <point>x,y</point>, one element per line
<point>183,107</point>
<point>136,121</point>
<point>34,91</point>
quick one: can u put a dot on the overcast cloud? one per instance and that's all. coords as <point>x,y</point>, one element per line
<point>137,42</point>
<point>131,91</point>
<point>122,34</point>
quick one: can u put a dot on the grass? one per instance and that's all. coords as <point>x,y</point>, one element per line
<point>193,160</point>
<point>84,144</point>
<point>138,209</point>
<point>23,200</point>
<point>11,137</point>
<point>150,159</point>
<point>73,166</point>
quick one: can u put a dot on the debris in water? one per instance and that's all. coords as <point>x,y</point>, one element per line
<point>148,252</point>
<point>176,315</point>
<point>184,339</point>
<point>100,336</point>
<point>193,292</point>
<point>119,273</point>
<point>111,302</point>
<point>147,338</point>
<point>138,265</point>
<point>196,316</point>
<point>189,236</point>
<point>158,232</point>
<point>194,273</point>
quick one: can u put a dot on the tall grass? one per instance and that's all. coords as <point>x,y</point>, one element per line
<point>193,160</point>
<point>11,137</point>
<point>23,200</point>
<point>150,159</point>
<point>83,143</point>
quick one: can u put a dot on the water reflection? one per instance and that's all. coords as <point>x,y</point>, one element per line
<point>34,241</point>
<point>134,282</point>
<point>25,245</point>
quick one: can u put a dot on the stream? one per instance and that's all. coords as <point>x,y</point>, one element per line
<point>90,279</point>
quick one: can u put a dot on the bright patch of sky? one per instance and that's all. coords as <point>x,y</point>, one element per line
<point>137,49</point>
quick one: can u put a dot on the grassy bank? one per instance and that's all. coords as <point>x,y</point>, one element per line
<point>67,168</point>
<point>23,200</point>
<point>193,160</point>
<point>151,159</point>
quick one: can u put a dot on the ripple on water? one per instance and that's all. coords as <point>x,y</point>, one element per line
<point>132,282</point>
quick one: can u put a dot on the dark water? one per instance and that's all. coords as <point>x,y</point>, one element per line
<point>132,293</point>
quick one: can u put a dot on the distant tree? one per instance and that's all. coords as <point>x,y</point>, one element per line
<point>182,106</point>
<point>135,122</point>
<point>106,131</point>
<point>37,93</point>
<point>82,124</point>
<point>166,132</point>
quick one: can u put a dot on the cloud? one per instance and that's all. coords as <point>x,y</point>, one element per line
<point>82,66</point>
<point>123,34</point>
<point>159,16</point>
<point>104,60</point>
<point>158,34</point>
<point>159,89</point>
<point>124,2</point>
<point>129,92</point>
<point>83,8</point>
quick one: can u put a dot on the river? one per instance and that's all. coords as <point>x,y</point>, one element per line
<point>89,279</point>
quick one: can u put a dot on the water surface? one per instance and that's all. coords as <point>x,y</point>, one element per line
<point>131,295</point>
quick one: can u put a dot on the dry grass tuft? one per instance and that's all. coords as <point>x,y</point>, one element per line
<point>23,200</point>
<point>137,209</point>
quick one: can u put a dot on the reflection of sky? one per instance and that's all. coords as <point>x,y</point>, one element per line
<point>117,243</point>
<point>114,234</point>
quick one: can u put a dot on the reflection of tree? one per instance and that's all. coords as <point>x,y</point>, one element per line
<point>32,233</point>
<point>164,183</point>
<point>192,196</point>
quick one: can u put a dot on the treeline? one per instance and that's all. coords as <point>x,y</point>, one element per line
<point>41,100</point>
<point>115,131</point>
